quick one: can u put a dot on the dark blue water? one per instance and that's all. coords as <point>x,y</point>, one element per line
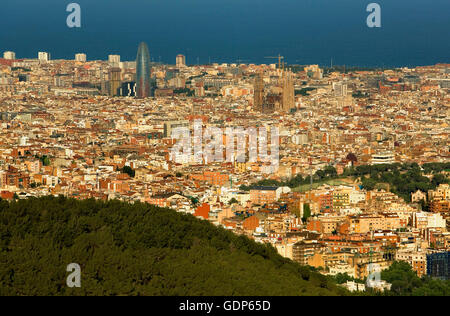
<point>413,32</point>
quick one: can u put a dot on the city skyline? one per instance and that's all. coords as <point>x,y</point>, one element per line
<point>173,60</point>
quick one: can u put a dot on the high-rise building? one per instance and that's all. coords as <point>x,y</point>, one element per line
<point>9,55</point>
<point>44,56</point>
<point>181,61</point>
<point>339,89</point>
<point>143,72</point>
<point>114,81</point>
<point>80,57</point>
<point>438,265</point>
<point>128,89</point>
<point>258,87</point>
<point>288,91</point>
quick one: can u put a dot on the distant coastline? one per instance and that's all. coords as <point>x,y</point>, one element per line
<point>327,67</point>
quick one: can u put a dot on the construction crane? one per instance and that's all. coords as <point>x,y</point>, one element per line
<point>279,57</point>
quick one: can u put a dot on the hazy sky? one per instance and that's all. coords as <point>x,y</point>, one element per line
<point>413,32</point>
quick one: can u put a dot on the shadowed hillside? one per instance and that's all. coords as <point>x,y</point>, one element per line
<point>137,249</point>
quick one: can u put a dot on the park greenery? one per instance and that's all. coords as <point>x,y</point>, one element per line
<point>306,212</point>
<point>44,160</point>
<point>401,179</point>
<point>138,249</point>
<point>405,282</point>
<point>342,278</point>
<point>304,91</point>
<point>129,171</point>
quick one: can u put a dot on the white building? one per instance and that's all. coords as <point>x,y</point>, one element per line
<point>127,65</point>
<point>354,287</point>
<point>81,57</point>
<point>342,268</point>
<point>356,196</point>
<point>9,55</point>
<point>300,139</point>
<point>379,285</point>
<point>424,220</point>
<point>383,158</point>
<point>114,60</point>
<point>23,141</point>
<point>339,89</point>
<point>44,56</point>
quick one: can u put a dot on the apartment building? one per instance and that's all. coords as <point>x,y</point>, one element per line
<point>416,259</point>
<point>265,195</point>
<point>304,250</point>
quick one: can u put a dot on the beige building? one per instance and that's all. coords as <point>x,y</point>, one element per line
<point>442,193</point>
<point>362,224</point>
<point>418,196</point>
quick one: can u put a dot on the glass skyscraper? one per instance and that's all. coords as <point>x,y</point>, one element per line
<point>143,72</point>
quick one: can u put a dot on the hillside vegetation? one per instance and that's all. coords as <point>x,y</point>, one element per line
<point>403,179</point>
<point>137,249</point>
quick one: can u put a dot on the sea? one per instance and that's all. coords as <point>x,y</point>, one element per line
<point>324,32</point>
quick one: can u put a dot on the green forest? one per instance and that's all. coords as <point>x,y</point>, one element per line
<point>138,249</point>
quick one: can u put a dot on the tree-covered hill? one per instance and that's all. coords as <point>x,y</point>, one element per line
<point>137,249</point>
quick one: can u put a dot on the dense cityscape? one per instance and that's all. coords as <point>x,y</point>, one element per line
<point>363,172</point>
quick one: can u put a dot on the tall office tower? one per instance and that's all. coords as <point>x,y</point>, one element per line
<point>438,265</point>
<point>288,91</point>
<point>44,56</point>
<point>80,57</point>
<point>104,83</point>
<point>115,81</point>
<point>143,72</point>
<point>9,55</point>
<point>114,60</point>
<point>181,61</point>
<point>258,87</point>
